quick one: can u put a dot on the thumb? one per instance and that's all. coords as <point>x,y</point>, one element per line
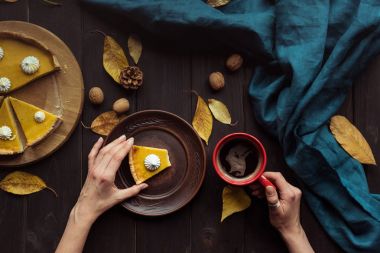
<point>131,191</point>
<point>272,198</point>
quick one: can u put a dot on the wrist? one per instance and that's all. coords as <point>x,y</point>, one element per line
<point>292,232</point>
<point>296,240</point>
<point>81,217</point>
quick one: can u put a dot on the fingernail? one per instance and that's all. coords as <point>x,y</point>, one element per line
<point>131,140</point>
<point>100,139</point>
<point>123,137</point>
<point>143,186</point>
<point>270,190</point>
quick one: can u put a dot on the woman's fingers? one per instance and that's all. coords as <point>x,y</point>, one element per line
<point>272,199</point>
<point>255,186</point>
<point>279,181</point>
<point>259,193</point>
<point>94,152</point>
<point>102,165</point>
<point>130,192</point>
<point>108,147</point>
<point>117,159</point>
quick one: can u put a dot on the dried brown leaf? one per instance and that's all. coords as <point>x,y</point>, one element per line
<point>23,183</point>
<point>220,111</point>
<point>217,3</point>
<point>350,138</point>
<point>114,59</point>
<point>135,47</point>
<point>104,123</point>
<point>202,120</point>
<point>235,199</point>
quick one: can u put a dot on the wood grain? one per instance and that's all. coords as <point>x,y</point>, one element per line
<point>13,214</point>
<point>36,222</point>
<point>59,92</point>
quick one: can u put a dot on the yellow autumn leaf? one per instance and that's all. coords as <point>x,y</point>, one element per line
<point>202,120</point>
<point>220,111</point>
<point>135,47</point>
<point>235,199</point>
<point>23,183</point>
<point>114,59</point>
<point>217,3</point>
<point>349,137</point>
<point>105,123</point>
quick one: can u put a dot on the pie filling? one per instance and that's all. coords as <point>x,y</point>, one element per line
<point>142,159</point>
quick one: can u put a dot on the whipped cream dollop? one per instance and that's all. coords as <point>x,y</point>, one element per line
<point>152,162</point>
<point>39,116</point>
<point>6,133</point>
<point>5,84</point>
<point>30,65</point>
<point>1,53</point>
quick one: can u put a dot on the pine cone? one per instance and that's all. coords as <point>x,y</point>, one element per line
<point>131,78</point>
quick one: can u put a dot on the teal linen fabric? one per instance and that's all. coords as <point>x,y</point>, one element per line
<point>312,50</point>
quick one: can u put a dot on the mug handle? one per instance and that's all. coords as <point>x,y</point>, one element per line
<point>265,182</point>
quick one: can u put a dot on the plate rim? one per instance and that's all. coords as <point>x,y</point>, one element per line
<point>204,165</point>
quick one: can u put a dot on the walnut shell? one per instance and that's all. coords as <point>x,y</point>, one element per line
<point>216,80</point>
<point>121,105</point>
<point>234,62</point>
<point>96,95</point>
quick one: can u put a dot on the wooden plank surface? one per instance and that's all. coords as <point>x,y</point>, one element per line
<point>46,214</point>
<point>13,214</point>
<point>35,223</point>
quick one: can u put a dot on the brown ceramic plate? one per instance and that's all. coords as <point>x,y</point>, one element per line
<point>174,187</point>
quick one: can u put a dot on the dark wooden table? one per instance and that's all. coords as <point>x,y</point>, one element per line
<point>35,223</point>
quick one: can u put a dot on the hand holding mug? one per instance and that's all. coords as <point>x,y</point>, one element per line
<point>284,210</point>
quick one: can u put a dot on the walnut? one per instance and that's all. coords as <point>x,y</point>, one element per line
<point>121,105</point>
<point>234,62</point>
<point>216,80</point>
<point>96,95</point>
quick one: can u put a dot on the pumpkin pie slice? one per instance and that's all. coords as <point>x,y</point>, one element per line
<point>35,122</point>
<point>23,60</point>
<point>10,138</point>
<point>145,162</point>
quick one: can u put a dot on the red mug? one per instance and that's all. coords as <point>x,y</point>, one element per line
<point>256,175</point>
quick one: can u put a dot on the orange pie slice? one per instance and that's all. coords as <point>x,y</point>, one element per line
<point>16,47</point>
<point>34,127</point>
<point>10,141</point>
<point>137,162</point>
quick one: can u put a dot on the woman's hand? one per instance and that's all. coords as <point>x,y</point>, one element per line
<point>99,192</point>
<point>284,211</point>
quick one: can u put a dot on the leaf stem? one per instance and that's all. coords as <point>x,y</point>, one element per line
<point>98,31</point>
<point>53,191</point>
<point>235,123</point>
<point>52,2</point>
<point>83,125</point>
<point>195,93</point>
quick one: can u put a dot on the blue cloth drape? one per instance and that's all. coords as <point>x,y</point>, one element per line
<point>312,49</point>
